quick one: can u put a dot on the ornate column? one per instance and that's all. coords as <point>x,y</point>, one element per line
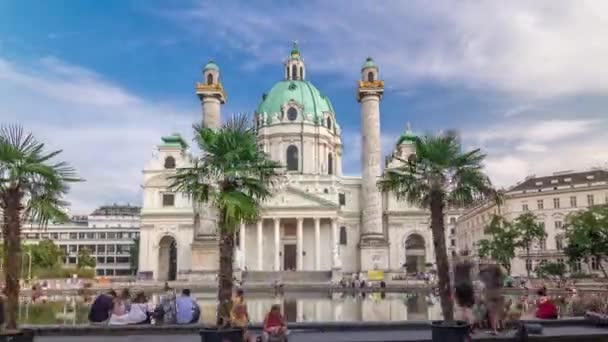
<point>317,244</point>
<point>260,248</point>
<point>277,243</point>
<point>242,239</point>
<point>299,244</point>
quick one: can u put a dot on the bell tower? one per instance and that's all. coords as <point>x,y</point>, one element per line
<point>294,65</point>
<point>373,243</point>
<point>212,95</point>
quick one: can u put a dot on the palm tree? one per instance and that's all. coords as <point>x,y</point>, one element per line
<point>528,231</point>
<point>31,188</point>
<point>234,176</point>
<point>440,174</point>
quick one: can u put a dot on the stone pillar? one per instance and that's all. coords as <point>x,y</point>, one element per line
<point>211,111</point>
<point>242,239</point>
<point>299,244</point>
<point>277,244</point>
<point>260,224</point>
<point>334,232</point>
<point>317,244</point>
<point>373,245</point>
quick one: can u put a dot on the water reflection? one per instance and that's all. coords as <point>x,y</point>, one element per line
<point>297,307</point>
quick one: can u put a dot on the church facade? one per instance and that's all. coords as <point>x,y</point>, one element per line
<point>320,220</point>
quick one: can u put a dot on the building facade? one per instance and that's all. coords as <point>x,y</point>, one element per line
<point>108,233</point>
<point>320,220</point>
<point>550,199</point>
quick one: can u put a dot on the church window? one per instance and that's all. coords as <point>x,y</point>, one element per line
<point>292,158</point>
<point>343,238</point>
<point>342,199</point>
<point>209,78</point>
<point>330,164</point>
<point>168,200</point>
<point>294,72</point>
<point>292,114</point>
<point>325,191</point>
<point>329,123</point>
<point>169,163</point>
<point>370,76</point>
<point>301,72</point>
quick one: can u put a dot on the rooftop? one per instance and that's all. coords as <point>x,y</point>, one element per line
<point>562,179</point>
<point>117,210</point>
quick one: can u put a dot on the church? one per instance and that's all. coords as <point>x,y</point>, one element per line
<point>320,222</point>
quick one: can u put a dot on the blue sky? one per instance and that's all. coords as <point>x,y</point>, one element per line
<point>103,80</point>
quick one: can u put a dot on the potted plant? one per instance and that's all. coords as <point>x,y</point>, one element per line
<point>32,187</point>
<point>439,175</point>
<point>233,175</point>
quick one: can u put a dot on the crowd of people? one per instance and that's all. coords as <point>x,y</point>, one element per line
<point>113,309</point>
<point>123,309</point>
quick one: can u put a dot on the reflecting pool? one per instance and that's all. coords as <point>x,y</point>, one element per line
<point>297,307</point>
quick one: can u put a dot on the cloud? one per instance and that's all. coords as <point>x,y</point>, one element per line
<point>531,49</point>
<point>540,146</point>
<point>104,130</point>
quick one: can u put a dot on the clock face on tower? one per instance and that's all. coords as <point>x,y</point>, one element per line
<point>292,114</point>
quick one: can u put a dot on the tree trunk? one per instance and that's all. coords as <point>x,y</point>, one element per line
<point>12,258</point>
<point>528,260</point>
<point>599,263</point>
<point>224,294</point>
<point>441,255</point>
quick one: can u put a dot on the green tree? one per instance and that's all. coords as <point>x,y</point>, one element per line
<point>85,259</point>
<point>551,269</point>
<point>32,187</point>
<point>440,175</point>
<point>134,255</point>
<point>234,176</point>
<point>45,254</point>
<point>587,235</point>
<point>529,230</point>
<point>501,247</point>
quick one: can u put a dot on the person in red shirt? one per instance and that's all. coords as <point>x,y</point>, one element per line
<point>274,324</point>
<point>545,309</point>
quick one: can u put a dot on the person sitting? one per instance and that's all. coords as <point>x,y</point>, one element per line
<point>188,311</point>
<point>166,311</point>
<point>138,313</point>
<point>275,328</point>
<point>545,309</point>
<point>101,308</point>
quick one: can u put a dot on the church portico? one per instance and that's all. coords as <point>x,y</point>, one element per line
<point>288,243</point>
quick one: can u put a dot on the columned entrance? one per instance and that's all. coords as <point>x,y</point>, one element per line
<point>415,254</point>
<point>289,257</point>
<point>167,258</point>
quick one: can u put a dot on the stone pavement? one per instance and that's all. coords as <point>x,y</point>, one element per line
<point>551,333</point>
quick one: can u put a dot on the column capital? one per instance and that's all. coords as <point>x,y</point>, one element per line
<point>276,219</point>
<point>317,219</point>
<point>299,219</point>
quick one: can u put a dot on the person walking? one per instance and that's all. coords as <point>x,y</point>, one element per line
<point>239,317</point>
<point>188,310</point>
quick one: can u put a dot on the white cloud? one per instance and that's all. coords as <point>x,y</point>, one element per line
<point>540,48</point>
<point>105,131</point>
<point>541,147</point>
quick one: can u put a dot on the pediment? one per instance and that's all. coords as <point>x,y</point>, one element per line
<point>292,198</point>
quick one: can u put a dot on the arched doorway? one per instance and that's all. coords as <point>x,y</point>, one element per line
<point>167,258</point>
<point>415,254</point>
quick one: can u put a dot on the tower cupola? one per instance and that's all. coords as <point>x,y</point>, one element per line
<point>294,65</point>
<point>369,70</point>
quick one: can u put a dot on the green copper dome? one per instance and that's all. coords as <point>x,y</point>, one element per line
<point>369,63</point>
<point>408,136</point>
<point>211,65</point>
<point>302,92</point>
